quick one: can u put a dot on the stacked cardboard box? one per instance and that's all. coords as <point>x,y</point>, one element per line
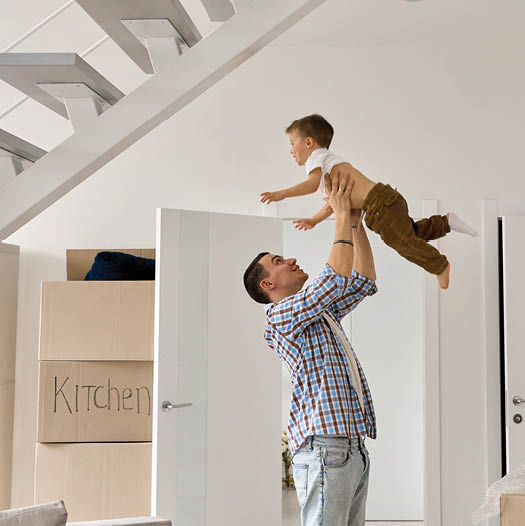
<point>512,510</point>
<point>95,394</point>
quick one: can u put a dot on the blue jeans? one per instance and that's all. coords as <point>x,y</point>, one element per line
<point>331,480</point>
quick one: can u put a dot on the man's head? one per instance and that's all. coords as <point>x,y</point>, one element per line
<point>270,278</point>
<point>307,134</point>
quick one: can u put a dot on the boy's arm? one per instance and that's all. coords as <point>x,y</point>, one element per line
<point>323,214</point>
<point>307,224</point>
<point>306,187</point>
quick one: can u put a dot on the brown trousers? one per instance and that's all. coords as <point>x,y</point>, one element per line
<point>387,215</point>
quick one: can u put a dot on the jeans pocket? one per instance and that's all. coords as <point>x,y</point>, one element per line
<point>334,458</point>
<point>367,457</point>
<point>300,478</point>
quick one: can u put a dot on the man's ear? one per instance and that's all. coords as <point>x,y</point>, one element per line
<point>266,284</point>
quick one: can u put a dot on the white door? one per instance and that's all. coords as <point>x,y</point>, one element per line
<point>514,334</point>
<point>217,461</point>
<point>386,333</point>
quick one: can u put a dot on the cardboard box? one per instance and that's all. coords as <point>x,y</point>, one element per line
<point>97,320</point>
<point>95,401</point>
<point>78,262</point>
<point>96,481</point>
<point>512,510</point>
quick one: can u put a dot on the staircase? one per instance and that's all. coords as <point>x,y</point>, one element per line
<point>163,40</point>
<point>16,155</point>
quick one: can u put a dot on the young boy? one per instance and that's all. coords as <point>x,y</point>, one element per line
<point>386,211</point>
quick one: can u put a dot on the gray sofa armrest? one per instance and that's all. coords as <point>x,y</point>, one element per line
<point>133,521</point>
<point>51,514</point>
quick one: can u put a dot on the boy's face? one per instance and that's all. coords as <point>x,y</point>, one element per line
<point>301,147</point>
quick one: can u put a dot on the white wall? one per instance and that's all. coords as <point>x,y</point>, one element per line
<point>443,123</point>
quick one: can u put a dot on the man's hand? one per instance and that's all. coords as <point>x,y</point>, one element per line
<point>270,197</point>
<point>338,193</point>
<point>304,224</point>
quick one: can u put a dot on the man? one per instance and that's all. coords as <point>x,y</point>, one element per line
<point>331,411</point>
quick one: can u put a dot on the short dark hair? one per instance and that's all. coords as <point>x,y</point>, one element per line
<point>314,126</point>
<point>253,276</point>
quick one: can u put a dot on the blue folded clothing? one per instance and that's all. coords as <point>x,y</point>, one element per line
<point>118,266</point>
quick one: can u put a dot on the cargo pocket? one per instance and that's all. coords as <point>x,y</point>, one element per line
<point>391,196</point>
<point>300,478</point>
<point>381,208</point>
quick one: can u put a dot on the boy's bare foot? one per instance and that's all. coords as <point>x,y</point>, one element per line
<point>444,277</point>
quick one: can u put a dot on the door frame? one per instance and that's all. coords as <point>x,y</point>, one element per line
<point>303,207</point>
<point>492,210</point>
<point>491,344</point>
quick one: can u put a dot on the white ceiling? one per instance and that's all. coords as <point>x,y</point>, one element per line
<point>344,22</point>
<point>334,23</point>
<point>402,22</point>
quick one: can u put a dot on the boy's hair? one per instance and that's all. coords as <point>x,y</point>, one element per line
<point>314,126</point>
<point>252,277</point>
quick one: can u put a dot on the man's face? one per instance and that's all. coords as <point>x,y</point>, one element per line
<point>285,277</point>
<point>301,147</point>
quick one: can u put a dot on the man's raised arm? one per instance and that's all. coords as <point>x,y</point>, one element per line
<point>363,257</point>
<point>338,197</point>
<point>351,261</point>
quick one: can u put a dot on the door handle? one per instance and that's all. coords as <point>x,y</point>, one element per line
<point>517,400</point>
<point>168,406</point>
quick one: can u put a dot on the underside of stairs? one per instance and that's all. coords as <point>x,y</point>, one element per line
<point>161,38</point>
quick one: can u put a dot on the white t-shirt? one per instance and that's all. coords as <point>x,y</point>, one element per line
<point>324,159</point>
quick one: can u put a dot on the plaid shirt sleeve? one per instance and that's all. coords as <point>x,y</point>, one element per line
<point>330,291</point>
<point>358,289</point>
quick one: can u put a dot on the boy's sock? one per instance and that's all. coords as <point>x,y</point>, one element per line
<point>457,225</point>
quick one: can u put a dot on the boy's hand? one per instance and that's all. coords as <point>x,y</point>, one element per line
<point>270,197</point>
<point>304,224</point>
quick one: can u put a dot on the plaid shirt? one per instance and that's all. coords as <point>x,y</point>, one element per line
<point>324,401</point>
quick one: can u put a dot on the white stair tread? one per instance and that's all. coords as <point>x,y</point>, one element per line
<point>24,71</point>
<point>108,16</point>
<point>218,10</point>
<point>16,146</point>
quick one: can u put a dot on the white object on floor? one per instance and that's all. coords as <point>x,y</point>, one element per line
<point>513,482</point>
<point>457,225</point>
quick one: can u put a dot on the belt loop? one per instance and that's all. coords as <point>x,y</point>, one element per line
<point>310,442</point>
